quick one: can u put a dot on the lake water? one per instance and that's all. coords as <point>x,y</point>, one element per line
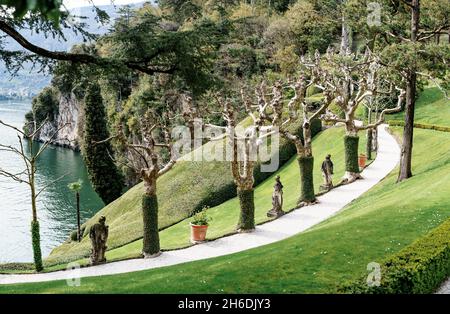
<point>56,206</point>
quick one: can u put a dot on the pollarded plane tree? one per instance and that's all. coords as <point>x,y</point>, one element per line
<point>413,30</point>
<point>298,110</point>
<point>354,81</point>
<point>243,155</point>
<point>384,98</point>
<point>29,152</point>
<point>145,156</point>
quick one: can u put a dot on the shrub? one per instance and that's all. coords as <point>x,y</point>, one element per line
<point>22,267</point>
<point>421,126</point>
<point>312,90</point>
<point>44,106</point>
<point>74,235</point>
<point>418,268</point>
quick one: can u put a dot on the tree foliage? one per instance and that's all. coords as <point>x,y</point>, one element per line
<point>103,174</point>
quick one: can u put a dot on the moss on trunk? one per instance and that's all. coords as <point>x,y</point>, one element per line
<point>351,153</point>
<point>151,231</point>
<point>36,242</point>
<point>247,216</point>
<point>306,165</point>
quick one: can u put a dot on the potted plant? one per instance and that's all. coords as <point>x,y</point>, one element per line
<point>362,160</point>
<point>199,226</point>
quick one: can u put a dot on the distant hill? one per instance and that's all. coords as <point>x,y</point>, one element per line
<point>28,82</point>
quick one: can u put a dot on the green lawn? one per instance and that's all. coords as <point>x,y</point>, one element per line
<point>181,191</point>
<point>225,216</point>
<point>381,222</point>
<point>431,108</point>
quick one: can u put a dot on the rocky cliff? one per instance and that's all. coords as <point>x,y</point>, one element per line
<point>67,124</point>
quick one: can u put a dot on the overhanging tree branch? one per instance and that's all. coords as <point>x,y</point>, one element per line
<point>81,58</point>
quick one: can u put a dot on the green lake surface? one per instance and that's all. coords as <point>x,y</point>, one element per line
<point>56,206</point>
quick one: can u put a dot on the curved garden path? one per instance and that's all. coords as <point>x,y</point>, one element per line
<point>445,288</point>
<point>288,225</point>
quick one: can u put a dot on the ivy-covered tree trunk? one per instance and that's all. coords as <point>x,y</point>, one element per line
<point>247,215</point>
<point>306,165</point>
<point>151,247</point>
<point>78,218</point>
<point>36,242</point>
<point>35,232</point>
<point>369,144</point>
<point>351,157</point>
<point>369,132</point>
<point>374,140</point>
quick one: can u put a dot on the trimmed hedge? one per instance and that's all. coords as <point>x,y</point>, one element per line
<point>418,268</point>
<point>421,126</point>
<point>14,267</point>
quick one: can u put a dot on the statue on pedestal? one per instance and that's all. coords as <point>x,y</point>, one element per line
<point>98,235</point>
<point>277,199</point>
<point>327,172</point>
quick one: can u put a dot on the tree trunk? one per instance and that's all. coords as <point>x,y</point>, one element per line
<point>408,130</point>
<point>306,165</point>
<point>151,246</point>
<point>374,139</point>
<point>36,243</point>
<point>247,215</point>
<point>369,144</point>
<point>369,134</point>
<point>345,37</point>
<point>35,232</point>
<point>78,218</point>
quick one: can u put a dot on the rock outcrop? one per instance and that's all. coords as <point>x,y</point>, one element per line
<point>67,121</point>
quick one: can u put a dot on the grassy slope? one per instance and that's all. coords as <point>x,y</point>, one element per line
<point>382,221</point>
<point>431,108</point>
<point>225,216</point>
<point>124,215</point>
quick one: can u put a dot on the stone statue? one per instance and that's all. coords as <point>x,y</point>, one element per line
<point>99,236</point>
<point>327,172</point>
<point>277,199</point>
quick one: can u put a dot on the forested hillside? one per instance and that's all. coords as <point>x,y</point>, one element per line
<point>204,45</point>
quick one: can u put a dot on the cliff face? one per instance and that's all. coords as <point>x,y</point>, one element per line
<point>67,121</point>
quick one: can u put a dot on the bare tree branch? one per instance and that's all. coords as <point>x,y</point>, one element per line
<point>50,184</point>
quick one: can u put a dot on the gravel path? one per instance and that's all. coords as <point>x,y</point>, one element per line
<point>445,288</point>
<point>288,225</point>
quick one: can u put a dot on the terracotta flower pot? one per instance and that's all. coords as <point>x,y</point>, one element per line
<point>198,233</point>
<point>362,160</point>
